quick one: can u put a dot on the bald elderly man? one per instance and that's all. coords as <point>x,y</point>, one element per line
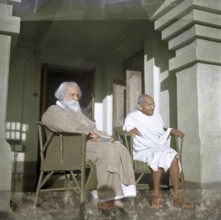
<point>152,146</point>
<point>114,167</point>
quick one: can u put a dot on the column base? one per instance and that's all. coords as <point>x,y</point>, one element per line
<point>5,209</point>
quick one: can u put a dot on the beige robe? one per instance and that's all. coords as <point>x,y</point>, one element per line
<point>112,160</point>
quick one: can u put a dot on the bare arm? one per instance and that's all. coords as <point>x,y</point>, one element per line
<point>177,132</point>
<point>133,132</point>
<point>96,138</point>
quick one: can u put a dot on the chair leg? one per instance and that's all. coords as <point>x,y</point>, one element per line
<point>38,188</point>
<point>183,184</point>
<point>91,181</point>
<point>82,188</point>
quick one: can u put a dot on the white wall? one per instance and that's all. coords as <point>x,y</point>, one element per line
<point>158,82</point>
<point>110,70</point>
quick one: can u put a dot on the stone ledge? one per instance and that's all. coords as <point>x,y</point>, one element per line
<point>197,54</point>
<point>164,8</point>
<point>178,26</point>
<point>168,5</point>
<point>196,31</point>
<point>195,16</point>
<point>183,8</point>
<point>6,11</point>
<point>8,23</point>
<point>174,14</point>
<point>187,58</point>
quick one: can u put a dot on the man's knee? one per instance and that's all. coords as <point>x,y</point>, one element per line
<point>175,161</point>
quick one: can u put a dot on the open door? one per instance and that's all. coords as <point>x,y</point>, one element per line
<point>119,103</point>
<point>133,89</point>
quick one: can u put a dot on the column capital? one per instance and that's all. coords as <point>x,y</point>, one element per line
<point>190,27</point>
<point>9,24</point>
<point>174,9</point>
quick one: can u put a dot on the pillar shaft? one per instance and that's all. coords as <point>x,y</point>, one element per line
<point>8,25</point>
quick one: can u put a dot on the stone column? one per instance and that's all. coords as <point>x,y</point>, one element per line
<point>8,25</point>
<point>193,30</point>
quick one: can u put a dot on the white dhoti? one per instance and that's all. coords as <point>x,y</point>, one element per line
<point>157,157</point>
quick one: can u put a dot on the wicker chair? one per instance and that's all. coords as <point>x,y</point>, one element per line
<point>64,153</point>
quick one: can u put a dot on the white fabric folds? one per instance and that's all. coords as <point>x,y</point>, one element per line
<point>153,144</point>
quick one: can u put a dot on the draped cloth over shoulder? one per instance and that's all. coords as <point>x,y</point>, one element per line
<point>153,144</point>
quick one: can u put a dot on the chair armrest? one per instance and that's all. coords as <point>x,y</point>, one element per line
<point>125,138</point>
<point>59,132</point>
<point>179,145</point>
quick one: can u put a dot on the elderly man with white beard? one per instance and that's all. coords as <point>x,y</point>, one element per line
<point>152,146</point>
<point>114,167</point>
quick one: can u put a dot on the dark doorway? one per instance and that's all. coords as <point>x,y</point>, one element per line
<point>52,77</point>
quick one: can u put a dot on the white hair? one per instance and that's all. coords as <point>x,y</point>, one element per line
<point>141,98</point>
<point>60,92</point>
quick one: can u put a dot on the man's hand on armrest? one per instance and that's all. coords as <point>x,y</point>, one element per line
<point>96,138</point>
<point>133,132</point>
<point>177,133</point>
<point>93,137</point>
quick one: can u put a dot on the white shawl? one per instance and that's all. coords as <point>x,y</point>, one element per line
<point>151,130</point>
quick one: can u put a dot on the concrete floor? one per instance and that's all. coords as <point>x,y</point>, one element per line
<point>65,206</point>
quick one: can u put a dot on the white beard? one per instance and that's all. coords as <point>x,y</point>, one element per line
<point>73,105</point>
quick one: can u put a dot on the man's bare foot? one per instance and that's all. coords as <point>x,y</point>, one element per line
<point>105,205</point>
<point>118,204</point>
<point>181,202</point>
<point>156,200</point>
<point>110,204</point>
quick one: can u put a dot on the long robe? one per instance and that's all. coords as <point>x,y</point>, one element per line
<point>152,146</point>
<point>114,167</point>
